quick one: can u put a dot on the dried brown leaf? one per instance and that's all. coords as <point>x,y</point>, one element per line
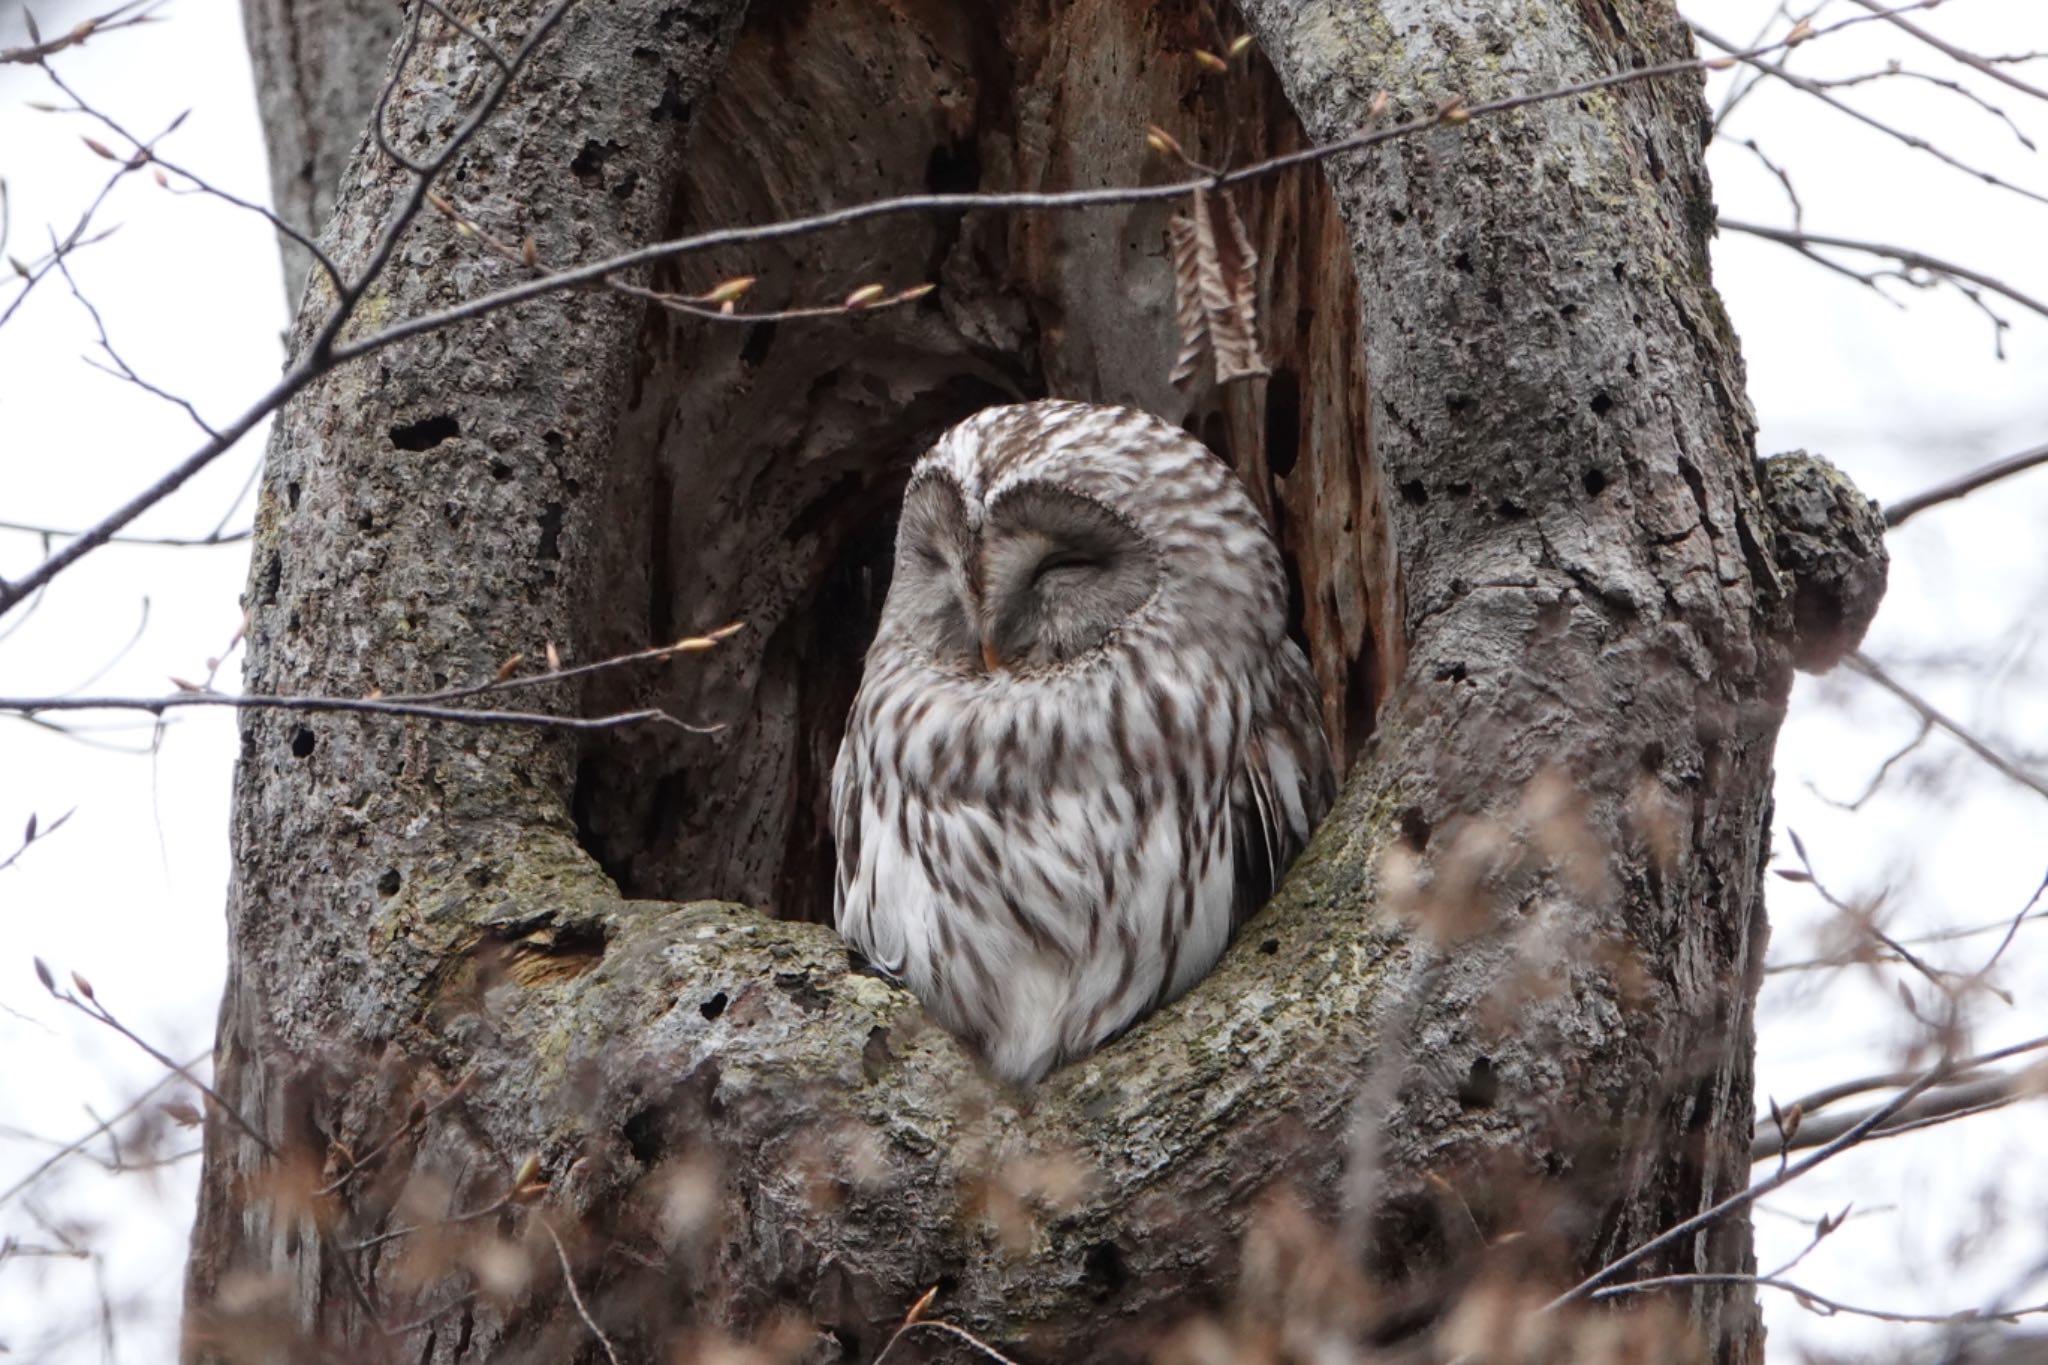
<point>1216,278</point>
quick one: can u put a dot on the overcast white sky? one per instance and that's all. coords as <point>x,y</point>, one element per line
<point>130,891</point>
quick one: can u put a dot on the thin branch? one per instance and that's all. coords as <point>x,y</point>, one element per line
<point>34,831</point>
<point>121,368</point>
<point>121,16</point>
<point>413,1124</point>
<point>1960,1070</point>
<point>1906,256</point>
<point>1913,140</point>
<point>173,542</point>
<point>1987,66</point>
<point>569,1279</point>
<point>88,1004</point>
<point>78,1145</point>
<point>1741,1199</point>
<point>1818,1303</point>
<point>1894,71</point>
<point>375,706</point>
<point>1862,663</point>
<point>1943,1103</point>
<point>1897,514</point>
<point>147,152</point>
<point>1884,770</point>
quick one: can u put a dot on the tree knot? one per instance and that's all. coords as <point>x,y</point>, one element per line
<point>1828,538</point>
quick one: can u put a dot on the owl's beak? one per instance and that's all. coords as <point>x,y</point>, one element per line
<point>990,660</point>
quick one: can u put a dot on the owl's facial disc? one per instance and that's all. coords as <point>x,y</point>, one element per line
<point>1062,572</point>
<point>1038,577</point>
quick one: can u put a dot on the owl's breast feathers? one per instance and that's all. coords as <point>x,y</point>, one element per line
<point>1044,860</point>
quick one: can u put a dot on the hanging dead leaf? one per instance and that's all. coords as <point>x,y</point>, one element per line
<point>1215,289</point>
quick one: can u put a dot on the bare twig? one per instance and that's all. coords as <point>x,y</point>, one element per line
<point>1862,663</point>
<point>121,16</point>
<point>86,1002</point>
<point>1912,140</point>
<point>1898,513</point>
<point>74,1147</point>
<point>374,706</point>
<point>1685,1228</point>
<point>418,705</point>
<point>576,1298</point>
<point>35,830</point>
<point>1943,1103</point>
<point>1906,256</point>
<point>173,542</point>
<point>1988,66</point>
<point>121,369</point>
<point>412,1124</point>
<point>1896,72</point>
<point>198,184</point>
<point>1817,1303</point>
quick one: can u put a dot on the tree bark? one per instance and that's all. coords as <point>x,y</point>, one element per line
<point>318,67</point>
<point>1509,988</point>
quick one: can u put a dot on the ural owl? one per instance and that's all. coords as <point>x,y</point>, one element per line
<point>1083,749</point>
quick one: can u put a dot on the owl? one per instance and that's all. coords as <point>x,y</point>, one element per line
<point>1083,749</point>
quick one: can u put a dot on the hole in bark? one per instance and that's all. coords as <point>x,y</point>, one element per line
<point>1458,489</point>
<point>1415,828</point>
<point>876,1056</point>
<point>426,433</point>
<point>1458,404</point>
<point>760,337</point>
<point>671,107</point>
<point>713,1007</point>
<point>550,531</point>
<point>588,167</point>
<point>643,1135</point>
<point>1594,482</point>
<point>1602,404</point>
<point>500,470</point>
<point>1103,1269</point>
<point>1510,510</point>
<point>1414,494</point>
<point>1481,1087</point>
<point>799,987</point>
<point>1462,262</point>
<point>953,169</point>
<point>291,495</point>
<point>388,884</point>
<point>1652,756</point>
<point>273,575</point>
<point>1283,423</point>
<point>1269,946</point>
<point>302,743</point>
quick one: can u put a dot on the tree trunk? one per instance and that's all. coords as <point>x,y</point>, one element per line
<point>1508,990</point>
<point>318,64</point>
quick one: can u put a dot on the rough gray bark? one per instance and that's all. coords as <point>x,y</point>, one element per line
<point>1519,960</point>
<point>319,64</point>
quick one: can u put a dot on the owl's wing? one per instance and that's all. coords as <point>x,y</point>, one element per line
<point>853,882</point>
<point>1286,786</point>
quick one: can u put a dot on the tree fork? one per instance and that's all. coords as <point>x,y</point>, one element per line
<point>1510,987</point>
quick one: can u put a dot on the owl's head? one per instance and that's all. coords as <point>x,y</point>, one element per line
<point>1031,534</point>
